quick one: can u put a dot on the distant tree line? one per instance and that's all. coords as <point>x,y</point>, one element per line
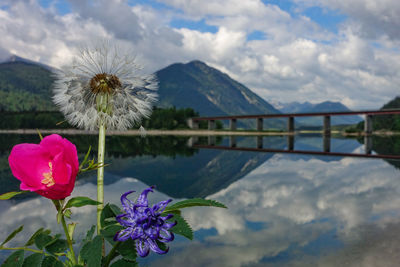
<point>161,118</point>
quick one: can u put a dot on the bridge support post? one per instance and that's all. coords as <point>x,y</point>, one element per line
<point>259,142</point>
<point>327,125</point>
<point>211,140</point>
<point>232,141</point>
<point>259,124</point>
<point>192,140</point>
<point>326,139</point>
<point>232,124</point>
<point>368,124</point>
<point>290,124</point>
<point>192,124</point>
<point>211,124</point>
<point>368,144</point>
<point>290,142</point>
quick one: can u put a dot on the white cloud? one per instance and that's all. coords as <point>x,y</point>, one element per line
<point>298,60</point>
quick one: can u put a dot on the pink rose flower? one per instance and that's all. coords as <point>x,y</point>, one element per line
<point>49,168</point>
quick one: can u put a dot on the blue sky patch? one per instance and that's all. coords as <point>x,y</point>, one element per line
<point>256,35</point>
<point>62,6</point>
<point>199,25</point>
<point>327,19</point>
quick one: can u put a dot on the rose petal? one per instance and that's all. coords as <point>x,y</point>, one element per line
<point>28,163</point>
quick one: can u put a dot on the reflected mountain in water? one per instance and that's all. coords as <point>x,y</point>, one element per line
<point>176,169</point>
<point>204,173</point>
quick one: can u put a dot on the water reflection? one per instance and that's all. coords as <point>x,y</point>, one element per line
<point>301,212</point>
<point>284,209</point>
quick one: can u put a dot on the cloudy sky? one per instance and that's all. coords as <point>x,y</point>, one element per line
<point>284,50</point>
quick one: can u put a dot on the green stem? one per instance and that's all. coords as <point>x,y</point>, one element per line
<point>100,172</point>
<point>69,241</point>
<point>31,250</point>
<point>111,255</point>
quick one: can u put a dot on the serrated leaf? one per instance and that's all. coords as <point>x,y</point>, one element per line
<point>89,234</point>
<point>124,263</point>
<point>58,246</point>
<point>109,232</point>
<point>34,260</point>
<point>51,261</point>
<point>115,209</point>
<point>31,240</point>
<point>91,252</point>
<point>80,202</point>
<point>43,239</point>
<point>182,227</point>
<point>127,249</point>
<point>178,212</point>
<point>195,202</point>
<point>108,212</point>
<point>9,195</point>
<point>16,259</point>
<point>12,235</point>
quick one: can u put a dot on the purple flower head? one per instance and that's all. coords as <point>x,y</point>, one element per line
<point>145,224</point>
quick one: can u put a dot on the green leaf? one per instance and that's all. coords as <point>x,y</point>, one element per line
<point>91,252</point>
<point>71,229</point>
<point>12,235</point>
<point>67,213</point>
<point>108,214</point>
<point>31,240</point>
<point>195,202</point>
<point>115,209</point>
<point>85,159</point>
<point>80,202</point>
<point>182,227</point>
<point>14,260</point>
<point>43,239</point>
<point>9,195</point>
<point>34,260</point>
<point>51,261</point>
<point>89,234</point>
<point>127,249</point>
<point>124,263</point>
<point>109,232</point>
<point>40,134</point>
<point>58,246</point>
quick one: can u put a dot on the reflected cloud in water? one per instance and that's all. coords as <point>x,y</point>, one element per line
<point>297,212</point>
<point>284,209</point>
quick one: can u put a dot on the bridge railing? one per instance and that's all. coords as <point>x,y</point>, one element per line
<point>193,123</point>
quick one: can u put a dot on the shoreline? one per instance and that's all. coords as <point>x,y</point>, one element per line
<point>187,132</point>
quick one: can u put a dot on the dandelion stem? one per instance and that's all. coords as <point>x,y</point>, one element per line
<point>100,172</point>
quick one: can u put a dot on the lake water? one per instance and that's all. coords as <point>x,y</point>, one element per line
<point>283,209</point>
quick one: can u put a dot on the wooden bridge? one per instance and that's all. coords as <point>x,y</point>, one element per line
<point>194,122</point>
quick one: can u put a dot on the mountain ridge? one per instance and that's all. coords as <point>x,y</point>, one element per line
<point>326,106</point>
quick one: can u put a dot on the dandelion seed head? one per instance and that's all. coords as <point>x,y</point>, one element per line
<point>104,84</point>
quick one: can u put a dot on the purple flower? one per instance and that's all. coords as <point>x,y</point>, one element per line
<point>145,224</point>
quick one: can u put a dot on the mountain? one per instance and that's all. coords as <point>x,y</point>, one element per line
<point>208,91</point>
<point>15,58</point>
<point>386,122</point>
<point>327,106</point>
<point>26,86</point>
